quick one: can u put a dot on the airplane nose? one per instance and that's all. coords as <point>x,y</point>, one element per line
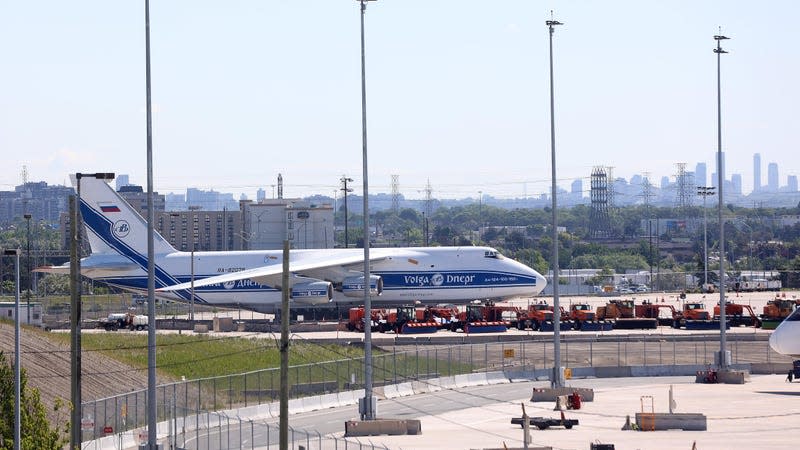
<point>780,341</point>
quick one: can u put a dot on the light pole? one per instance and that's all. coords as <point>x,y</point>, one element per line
<point>17,379</point>
<point>722,358</point>
<point>705,191</point>
<point>27,217</point>
<point>557,380</point>
<point>346,189</point>
<point>75,305</point>
<point>368,409</point>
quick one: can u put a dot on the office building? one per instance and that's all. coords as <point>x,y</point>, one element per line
<point>772,177</point>
<point>756,172</point>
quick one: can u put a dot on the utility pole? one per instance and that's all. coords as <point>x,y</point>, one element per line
<point>346,189</point>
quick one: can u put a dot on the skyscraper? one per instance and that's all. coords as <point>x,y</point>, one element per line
<point>756,172</point>
<point>772,177</point>
<point>122,180</point>
<point>736,184</point>
<point>700,178</point>
<point>791,183</point>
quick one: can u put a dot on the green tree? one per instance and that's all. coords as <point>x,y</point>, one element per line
<point>37,432</point>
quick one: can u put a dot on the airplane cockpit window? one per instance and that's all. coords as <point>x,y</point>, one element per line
<point>794,316</point>
<point>492,254</point>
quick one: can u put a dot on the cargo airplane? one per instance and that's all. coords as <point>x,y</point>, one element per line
<point>786,338</point>
<point>251,279</point>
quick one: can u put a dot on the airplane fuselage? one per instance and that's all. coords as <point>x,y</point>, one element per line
<point>425,275</point>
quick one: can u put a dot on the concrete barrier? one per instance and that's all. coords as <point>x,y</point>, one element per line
<point>612,372</point>
<point>732,376</point>
<point>447,382</point>
<point>390,391</point>
<point>476,379</point>
<point>675,421</point>
<point>662,371</point>
<point>770,368</point>
<point>405,389</point>
<point>391,427</point>
<point>496,378</point>
<point>583,372</point>
<point>311,403</point>
<point>461,380</point>
<point>420,387</point>
<point>329,401</point>
<point>296,406</point>
<point>551,394</point>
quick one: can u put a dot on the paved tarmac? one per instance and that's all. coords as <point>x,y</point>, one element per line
<point>761,414</point>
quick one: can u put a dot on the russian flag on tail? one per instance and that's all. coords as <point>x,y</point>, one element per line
<point>109,207</point>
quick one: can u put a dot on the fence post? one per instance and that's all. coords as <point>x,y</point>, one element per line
<point>644,349</point>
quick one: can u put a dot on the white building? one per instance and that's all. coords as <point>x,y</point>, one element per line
<point>268,222</point>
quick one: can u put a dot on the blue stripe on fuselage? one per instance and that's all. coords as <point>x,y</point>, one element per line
<point>453,280</point>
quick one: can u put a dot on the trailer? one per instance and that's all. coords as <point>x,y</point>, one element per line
<point>544,423</point>
<point>29,313</point>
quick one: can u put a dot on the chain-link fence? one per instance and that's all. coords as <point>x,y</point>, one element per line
<point>187,403</point>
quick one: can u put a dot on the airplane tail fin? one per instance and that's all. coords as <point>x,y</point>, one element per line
<point>112,225</point>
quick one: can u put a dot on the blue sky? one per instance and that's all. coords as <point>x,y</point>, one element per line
<point>457,92</point>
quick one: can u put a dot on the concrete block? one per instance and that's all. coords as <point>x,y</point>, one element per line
<point>201,328</point>
<point>224,324</point>
<point>733,376</point>
<point>379,427</point>
<point>675,421</point>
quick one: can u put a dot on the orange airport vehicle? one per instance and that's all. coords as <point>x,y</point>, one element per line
<point>663,313</point>
<point>406,320</point>
<point>775,311</point>
<point>735,315</point>
<point>694,316</point>
<point>622,312</point>
<point>356,320</point>
<point>442,315</point>
<point>584,318</point>
<point>474,319</point>
<point>536,317</point>
<point>401,320</point>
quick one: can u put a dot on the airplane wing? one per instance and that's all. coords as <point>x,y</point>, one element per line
<point>271,273</point>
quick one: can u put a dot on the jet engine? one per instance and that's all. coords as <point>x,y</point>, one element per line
<point>312,292</point>
<point>354,286</point>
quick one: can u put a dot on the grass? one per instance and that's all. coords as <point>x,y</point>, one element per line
<point>206,356</point>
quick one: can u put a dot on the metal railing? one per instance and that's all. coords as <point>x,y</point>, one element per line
<point>127,412</point>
